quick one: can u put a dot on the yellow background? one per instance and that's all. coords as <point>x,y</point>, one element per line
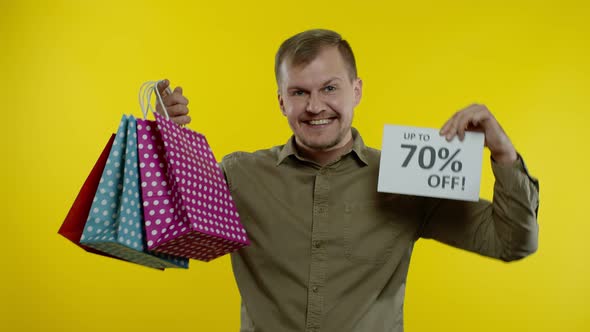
<point>71,69</point>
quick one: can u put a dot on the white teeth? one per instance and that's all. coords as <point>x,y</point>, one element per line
<point>320,122</point>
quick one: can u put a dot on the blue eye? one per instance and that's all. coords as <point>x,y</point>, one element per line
<point>298,93</point>
<point>329,88</point>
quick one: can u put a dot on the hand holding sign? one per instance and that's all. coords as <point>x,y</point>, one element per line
<point>477,117</point>
<point>418,161</point>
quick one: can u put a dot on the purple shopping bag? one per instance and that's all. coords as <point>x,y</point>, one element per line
<point>187,205</point>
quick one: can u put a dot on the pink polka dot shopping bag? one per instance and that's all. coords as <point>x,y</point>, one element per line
<point>187,206</point>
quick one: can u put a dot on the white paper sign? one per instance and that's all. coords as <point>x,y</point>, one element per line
<point>418,161</point>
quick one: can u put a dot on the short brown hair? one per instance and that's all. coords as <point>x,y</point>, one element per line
<point>304,47</point>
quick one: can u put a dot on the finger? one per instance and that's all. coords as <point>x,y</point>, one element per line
<point>177,110</point>
<point>462,123</point>
<point>178,90</point>
<point>172,110</point>
<point>448,125</point>
<point>175,98</point>
<point>479,117</point>
<point>162,86</point>
<point>445,127</point>
<point>182,120</point>
<point>451,131</point>
<point>464,118</point>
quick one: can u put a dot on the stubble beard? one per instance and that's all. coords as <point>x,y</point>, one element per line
<point>326,146</point>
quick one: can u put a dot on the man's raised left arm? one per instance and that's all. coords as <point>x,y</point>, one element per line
<point>506,228</point>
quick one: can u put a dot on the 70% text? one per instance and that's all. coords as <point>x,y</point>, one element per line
<point>427,156</point>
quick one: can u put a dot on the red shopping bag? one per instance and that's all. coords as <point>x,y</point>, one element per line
<point>75,221</point>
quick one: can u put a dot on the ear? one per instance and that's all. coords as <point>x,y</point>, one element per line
<point>358,90</point>
<point>281,103</point>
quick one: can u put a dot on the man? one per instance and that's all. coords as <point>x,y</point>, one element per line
<point>328,252</point>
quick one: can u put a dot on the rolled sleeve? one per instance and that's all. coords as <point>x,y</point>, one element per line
<point>516,206</point>
<point>505,228</point>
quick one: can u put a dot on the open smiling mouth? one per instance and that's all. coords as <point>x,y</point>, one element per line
<point>319,122</point>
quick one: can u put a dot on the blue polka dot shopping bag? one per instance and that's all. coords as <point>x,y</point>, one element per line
<point>115,221</point>
<point>73,225</point>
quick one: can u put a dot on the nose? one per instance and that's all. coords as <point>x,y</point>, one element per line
<point>314,104</point>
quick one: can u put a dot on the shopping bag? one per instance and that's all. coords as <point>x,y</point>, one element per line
<point>188,209</point>
<point>115,220</point>
<point>73,225</point>
<point>155,188</point>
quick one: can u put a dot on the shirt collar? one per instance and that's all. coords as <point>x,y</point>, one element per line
<point>358,147</point>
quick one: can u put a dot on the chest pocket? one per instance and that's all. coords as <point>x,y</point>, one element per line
<point>369,232</point>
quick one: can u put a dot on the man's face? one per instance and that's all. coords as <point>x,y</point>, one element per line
<point>318,100</point>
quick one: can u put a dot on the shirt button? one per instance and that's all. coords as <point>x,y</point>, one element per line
<point>347,208</point>
<point>317,244</point>
<point>314,289</point>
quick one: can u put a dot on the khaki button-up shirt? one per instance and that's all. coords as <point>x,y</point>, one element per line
<point>330,253</point>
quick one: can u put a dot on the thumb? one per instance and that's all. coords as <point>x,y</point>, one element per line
<point>162,86</point>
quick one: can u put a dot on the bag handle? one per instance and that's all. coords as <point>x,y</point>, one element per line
<point>145,98</point>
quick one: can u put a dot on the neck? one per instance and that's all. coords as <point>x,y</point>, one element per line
<point>324,157</point>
